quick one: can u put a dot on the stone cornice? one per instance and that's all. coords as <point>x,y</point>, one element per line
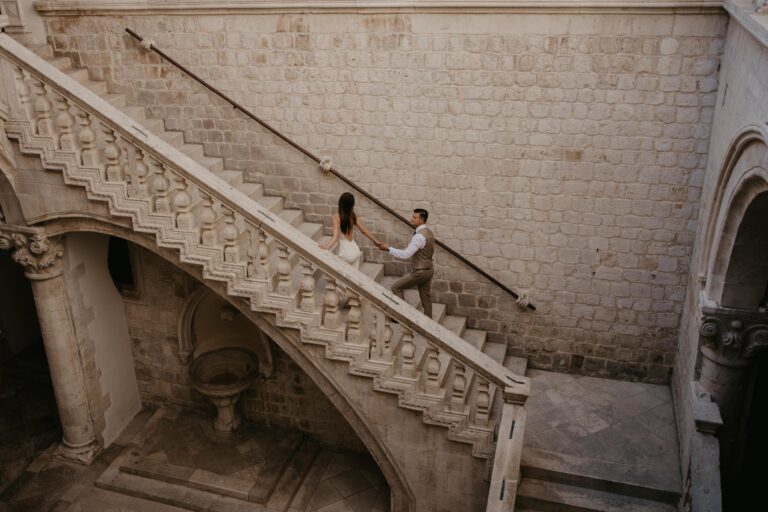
<point>151,7</point>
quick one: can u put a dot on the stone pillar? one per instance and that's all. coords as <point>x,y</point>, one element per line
<point>43,265</point>
<point>730,340</point>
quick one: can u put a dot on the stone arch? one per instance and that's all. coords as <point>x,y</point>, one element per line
<point>744,177</point>
<point>402,496</point>
<point>186,332</point>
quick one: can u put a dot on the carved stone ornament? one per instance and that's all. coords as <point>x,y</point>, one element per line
<point>36,252</point>
<point>734,332</point>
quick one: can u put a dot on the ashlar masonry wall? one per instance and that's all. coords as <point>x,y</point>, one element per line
<point>564,153</point>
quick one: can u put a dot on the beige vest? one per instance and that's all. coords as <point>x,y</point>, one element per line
<point>422,260</point>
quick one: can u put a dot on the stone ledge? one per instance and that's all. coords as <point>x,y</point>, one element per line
<point>149,7</point>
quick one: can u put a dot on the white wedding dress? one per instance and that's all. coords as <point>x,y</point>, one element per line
<point>349,251</point>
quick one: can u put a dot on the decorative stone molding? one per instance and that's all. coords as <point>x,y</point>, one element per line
<point>761,6</point>
<point>735,334</point>
<point>151,7</point>
<point>39,254</point>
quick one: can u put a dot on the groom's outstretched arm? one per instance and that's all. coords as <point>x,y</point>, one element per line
<point>417,242</point>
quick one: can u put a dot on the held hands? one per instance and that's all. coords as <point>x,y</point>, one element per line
<point>382,246</point>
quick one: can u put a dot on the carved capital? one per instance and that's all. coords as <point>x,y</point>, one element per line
<point>39,254</point>
<point>733,333</point>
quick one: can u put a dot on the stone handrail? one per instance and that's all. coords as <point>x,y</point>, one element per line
<point>506,463</point>
<point>259,256</point>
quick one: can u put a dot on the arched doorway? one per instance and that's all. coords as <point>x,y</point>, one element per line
<point>745,291</point>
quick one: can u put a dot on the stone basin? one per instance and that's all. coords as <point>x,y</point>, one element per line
<point>222,375</point>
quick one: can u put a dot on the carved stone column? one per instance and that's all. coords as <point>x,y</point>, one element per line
<point>731,340</point>
<point>42,260</point>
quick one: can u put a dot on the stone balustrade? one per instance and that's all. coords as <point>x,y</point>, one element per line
<point>258,255</point>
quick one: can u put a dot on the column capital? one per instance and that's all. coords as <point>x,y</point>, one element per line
<point>40,255</point>
<point>733,336</point>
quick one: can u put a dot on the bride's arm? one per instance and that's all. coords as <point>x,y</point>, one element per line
<point>336,231</point>
<point>366,232</point>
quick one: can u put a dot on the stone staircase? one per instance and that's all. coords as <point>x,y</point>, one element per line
<point>264,253</point>
<point>274,204</point>
<point>294,217</point>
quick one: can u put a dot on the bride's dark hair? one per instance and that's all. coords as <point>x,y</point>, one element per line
<point>347,215</point>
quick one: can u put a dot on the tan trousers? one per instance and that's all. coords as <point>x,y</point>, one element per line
<point>422,280</point>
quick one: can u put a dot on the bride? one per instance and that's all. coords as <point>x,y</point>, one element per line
<point>344,224</point>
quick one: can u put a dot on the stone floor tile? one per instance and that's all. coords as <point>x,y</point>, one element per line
<point>350,482</point>
<point>339,506</point>
<point>325,494</point>
<point>362,501</point>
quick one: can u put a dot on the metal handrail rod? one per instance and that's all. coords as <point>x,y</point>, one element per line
<point>316,159</point>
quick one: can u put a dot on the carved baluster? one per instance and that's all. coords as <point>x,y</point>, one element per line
<point>207,221</point>
<point>182,202</point>
<point>374,347</point>
<point>354,319</point>
<point>43,109</point>
<point>65,124</point>
<point>89,157</point>
<point>284,285</point>
<point>331,313</point>
<point>22,89</point>
<point>159,186</point>
<point>139,178</point>
<point>307,293</point>
<point>407,354</point>
<point>112,154</point>
<point>386,337</point>
<point>431,371</point>
<point>256,240</point>
<point>230,234</point>
<point>458,388</point>
<point>483,402</point>
<point>263,253</point>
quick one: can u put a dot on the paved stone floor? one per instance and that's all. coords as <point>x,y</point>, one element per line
<point>335,482</point>
<point>603,423</point>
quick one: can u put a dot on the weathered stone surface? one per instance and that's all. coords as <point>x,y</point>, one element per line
<point>566,159</point>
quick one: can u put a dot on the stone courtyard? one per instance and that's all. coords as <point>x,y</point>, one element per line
<point>177,333</point>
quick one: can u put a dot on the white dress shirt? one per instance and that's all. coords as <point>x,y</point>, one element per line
<point>417,242</point>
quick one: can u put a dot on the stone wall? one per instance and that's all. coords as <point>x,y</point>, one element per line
<point>741,102</point>
<point>564,153</point>
<point>288,398</point>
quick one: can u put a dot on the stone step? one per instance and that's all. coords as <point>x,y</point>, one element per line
<point>45,51</point>
<point>177,495</point>
<point>117,100</point>
<point>495,351</point>
<point>556,497</point>
<point>293,476</point>
<point>624,479</point>
<point>517,365</point>
<point>292,216</point>
<point>173,137</point>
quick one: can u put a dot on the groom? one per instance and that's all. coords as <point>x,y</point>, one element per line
<point>420,250</point>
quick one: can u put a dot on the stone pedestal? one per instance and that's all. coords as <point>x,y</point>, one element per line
<point>41,258</point>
